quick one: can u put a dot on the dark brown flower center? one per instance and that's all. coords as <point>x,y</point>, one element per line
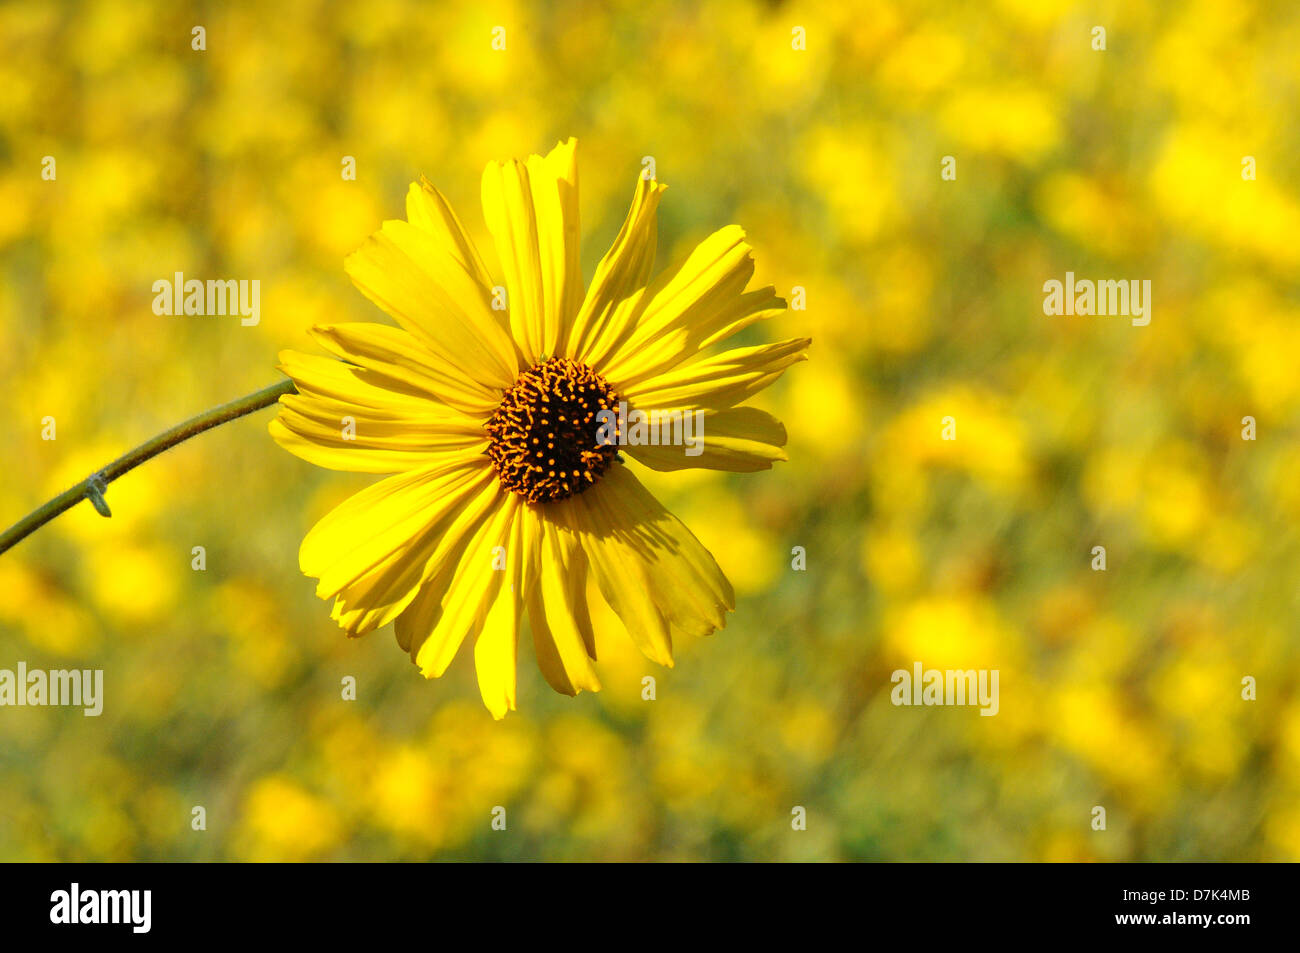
<point>545,443</point>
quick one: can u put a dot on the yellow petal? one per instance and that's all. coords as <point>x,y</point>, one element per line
<point>325,378</point>
<point>531,210</point>
<point>342,419</point>
<point>554,607</point>
<point>620,574</point>
<point>649,567</point>
<point>579,570</point>
<point>396,360</point>
<point>426,288</point>
<point>496,647</point>
<point>606,317</point>
<point>378,520</point>
<point>436,557</point>
<point>376,548</point>
<point>721,381</point>
<point>701,301</point>
<point>739,440</point>
<point>682,576</point>
<point>471,531</point>
<point>310,429</point>
<point>457,598</point>
<point>427,209</point>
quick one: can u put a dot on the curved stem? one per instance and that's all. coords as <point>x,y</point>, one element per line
<point>92,488</point>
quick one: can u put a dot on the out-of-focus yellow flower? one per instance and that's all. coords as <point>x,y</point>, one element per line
<point>891,558</point>
<point>823,403</point>
<point>1252,214</point>
<point>1015,121</point>
<point>950,633</point>
<point>808,729</point>
<point>924,62</point>
<point>50,618</point>
<point>261,646</point>
<point>1121,747</point>
<point>964,428</point>
<point>836,163</point>
<point>1090,213</point>
<point>281,821</point>
<point>1283,831</point>
<point>135,582</point>
<point>410,797</point>
<point>585,784</point>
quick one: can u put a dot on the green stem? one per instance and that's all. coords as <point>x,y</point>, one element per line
<point>92,488</point>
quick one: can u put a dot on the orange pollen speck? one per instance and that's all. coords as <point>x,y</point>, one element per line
<point>557,399</point>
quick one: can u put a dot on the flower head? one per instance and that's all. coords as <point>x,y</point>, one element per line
<point>505,498</point>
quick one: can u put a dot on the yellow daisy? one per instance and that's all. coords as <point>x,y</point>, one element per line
<point>483,405</point>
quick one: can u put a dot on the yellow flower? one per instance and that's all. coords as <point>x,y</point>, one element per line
<point>505,496</point>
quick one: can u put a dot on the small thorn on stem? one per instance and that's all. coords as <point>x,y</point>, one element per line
<point>95,490</point>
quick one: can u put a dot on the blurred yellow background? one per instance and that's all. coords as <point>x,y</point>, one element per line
<point>1119,689</point>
